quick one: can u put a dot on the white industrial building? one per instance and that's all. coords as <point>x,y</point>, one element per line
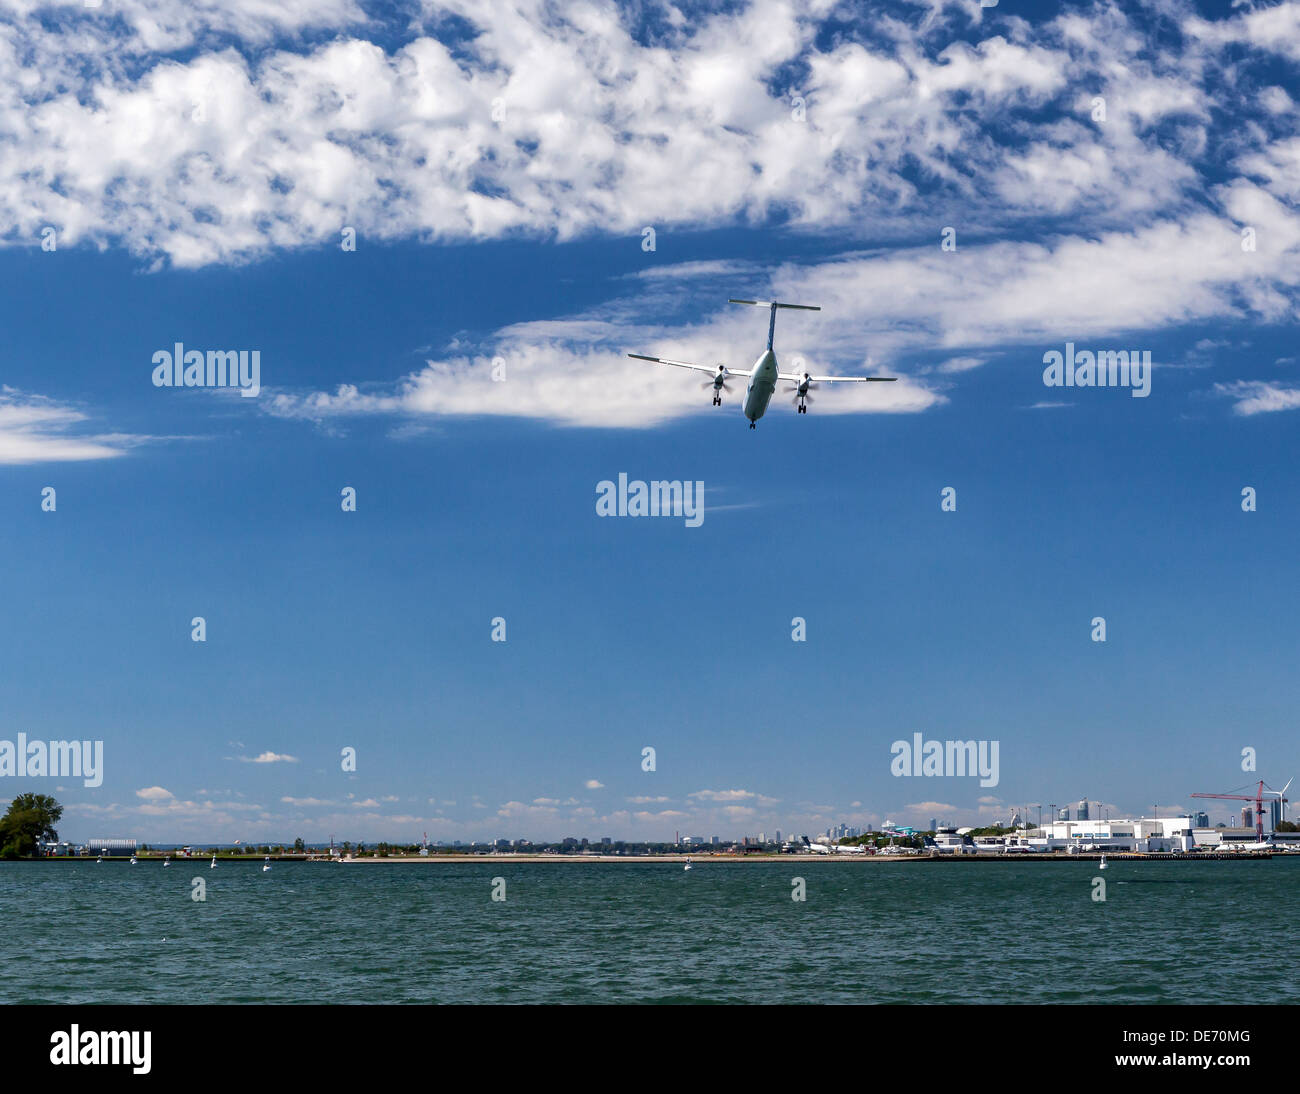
<point>1141,834</point>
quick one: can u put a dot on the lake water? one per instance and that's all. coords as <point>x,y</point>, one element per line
<point>989,932</point>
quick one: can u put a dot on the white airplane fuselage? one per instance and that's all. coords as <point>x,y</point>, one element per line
<point>762,383</point>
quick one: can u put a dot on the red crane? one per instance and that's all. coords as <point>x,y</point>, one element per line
<point>1257,798</point>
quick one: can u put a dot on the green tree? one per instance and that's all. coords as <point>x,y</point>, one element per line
<point>30,819</point>
<point>299,846</point>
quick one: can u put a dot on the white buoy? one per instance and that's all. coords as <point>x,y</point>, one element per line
<point>1103,863</point>
<point>133,860</point>
<point>267,864</point>
<point>167,861</point>
<point>213,865</point>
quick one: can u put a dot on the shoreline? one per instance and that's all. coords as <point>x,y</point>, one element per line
<point>681,859</point>
<point>707,860</point>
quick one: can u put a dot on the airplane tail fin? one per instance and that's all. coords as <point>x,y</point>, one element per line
<point>774,304</point>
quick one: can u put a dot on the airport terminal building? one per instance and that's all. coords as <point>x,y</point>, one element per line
<point>1141,834</point>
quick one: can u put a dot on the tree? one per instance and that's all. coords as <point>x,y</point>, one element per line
<point>30,819</point>
<point>298,845</point>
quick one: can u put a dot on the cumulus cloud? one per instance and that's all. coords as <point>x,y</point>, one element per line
<point>215,132</point>
<point>205,132</point>
<point>269,758</point>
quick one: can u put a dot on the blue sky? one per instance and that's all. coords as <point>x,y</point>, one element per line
<point>520,239</point>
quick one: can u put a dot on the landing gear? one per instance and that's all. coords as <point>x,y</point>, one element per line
<point>717,400</point>
<point>753,425</point>
<point>802,408</point>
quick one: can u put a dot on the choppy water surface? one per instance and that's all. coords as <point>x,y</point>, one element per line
<point>1174,932</point>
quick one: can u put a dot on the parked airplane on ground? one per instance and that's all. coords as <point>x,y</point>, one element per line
<point>763,377</point>
<point>833,848</point>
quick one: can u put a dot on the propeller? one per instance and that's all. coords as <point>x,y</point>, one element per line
<point>800,390</point>
<point>719,380</point>
<point>803,386</point>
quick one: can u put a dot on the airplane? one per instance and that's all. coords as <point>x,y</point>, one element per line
<point>1266,845</point>
<point>820,848</point>
<point>762,379</point>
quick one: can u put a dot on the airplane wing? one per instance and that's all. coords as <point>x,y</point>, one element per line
<point>679,364</point>
<point>798,379</point>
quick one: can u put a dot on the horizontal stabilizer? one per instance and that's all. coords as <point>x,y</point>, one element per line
<point>775,304</point>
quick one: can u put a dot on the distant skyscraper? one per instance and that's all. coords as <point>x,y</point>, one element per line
<point>933,824</point>
<point>1063,814</point>
<point>1248,818</point>
<point>1081,812</point>
<point>1202,820</point>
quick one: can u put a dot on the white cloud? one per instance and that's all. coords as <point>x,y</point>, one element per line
<point>209,132</point>
<point>573,371</point>
<point>237,128</point>
<point>154,793</point>
<point>34,429</point>
<point>1259,397</point>
<point>1273,28</point>
<point>961,364</point>
<point>723,795</point>
<point>594,784</point>
<point>269,758</point>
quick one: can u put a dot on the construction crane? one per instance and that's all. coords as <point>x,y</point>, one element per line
<point>1257,798</point>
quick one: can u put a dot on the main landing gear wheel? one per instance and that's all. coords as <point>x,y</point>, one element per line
<point>753,425</point>
<point>717,400</point>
